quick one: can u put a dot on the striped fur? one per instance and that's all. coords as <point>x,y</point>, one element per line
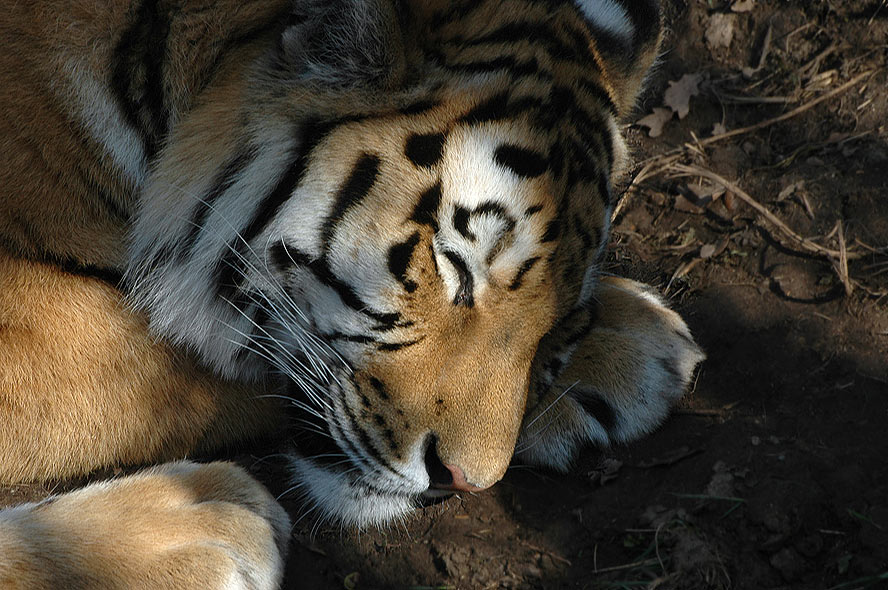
<point>391,213</point>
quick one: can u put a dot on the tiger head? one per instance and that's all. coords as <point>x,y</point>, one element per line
<point>400,208</point>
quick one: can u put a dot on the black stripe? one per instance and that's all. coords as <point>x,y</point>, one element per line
<point>355,338</point>
<point>399,257</point>
<point>539,33</point>
<point>285,256</point>
<point>457,10</point>
<point>426,210</point>
<point>597,91</point>
<point>138,72</point>
<point>113,206</point>
<point>154,90</point>
<point>582,168</point>
<point>230,267</point>
<point>461,223</point>
<point>612,46</point>
<point>492,109</point>
<point>553,231</point>
<point>500,107</point>
<point>357,185</point>
<point>556,159</point>
<point>519,277</point>
<point>419,107</point>
<point>532,210</point>
<point>594,405</point>
<point>226,177</point>
<point>425,150</point>
<point>394,346</point>
<point>379,386</point>
<point>366,442</point>
<point>465,291</point>
<point>497,210</point>
<point>589,125</point>
<point>645,17</point>
<point>111,276</point>
<point>515,67</point>
<point>521,161</point>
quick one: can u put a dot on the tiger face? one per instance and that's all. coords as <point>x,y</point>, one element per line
<point>401,222</point>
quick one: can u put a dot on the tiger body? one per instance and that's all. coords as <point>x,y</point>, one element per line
<point>391,214</point>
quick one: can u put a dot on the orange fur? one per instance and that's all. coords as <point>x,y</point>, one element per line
<point>84,385</point>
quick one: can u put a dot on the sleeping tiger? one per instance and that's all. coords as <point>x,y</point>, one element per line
<point>374,228</point>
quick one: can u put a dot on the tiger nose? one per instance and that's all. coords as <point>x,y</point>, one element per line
<point>446,476</point>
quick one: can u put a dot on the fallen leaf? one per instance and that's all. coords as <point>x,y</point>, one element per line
<point>707,250</point>
<point>678,96</point>
<point>720,30</point>
<point>742,5</point>
<point>655,121</point>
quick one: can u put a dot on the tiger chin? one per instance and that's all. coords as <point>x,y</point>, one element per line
<point>385,219</point>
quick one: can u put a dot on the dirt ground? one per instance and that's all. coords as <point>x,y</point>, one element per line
<point>773,473</point>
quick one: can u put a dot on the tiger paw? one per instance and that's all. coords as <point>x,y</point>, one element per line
<point>178,526</point>
<point>628,370</point>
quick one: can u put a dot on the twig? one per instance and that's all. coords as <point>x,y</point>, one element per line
<point>800,241</point>
<point>628,566</point>
<point>841,265</point>
<point>757,99</point>
<point>551,554</point>
<point>793,113</point>
<point>674,154</point>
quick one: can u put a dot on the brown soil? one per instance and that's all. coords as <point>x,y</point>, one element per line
<point>773,472</point>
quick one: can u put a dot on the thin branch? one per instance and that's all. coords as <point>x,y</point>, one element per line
<point>802,242</point>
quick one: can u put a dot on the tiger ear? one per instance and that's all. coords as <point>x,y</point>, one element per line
<point>344,43</point>
<point>627,36</point>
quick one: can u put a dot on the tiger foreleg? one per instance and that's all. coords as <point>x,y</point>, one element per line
<point>85,385</point>
<point>177,526</point>
<point>621,381</point>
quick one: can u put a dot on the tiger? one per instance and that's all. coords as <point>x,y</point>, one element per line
<point>372,229</point>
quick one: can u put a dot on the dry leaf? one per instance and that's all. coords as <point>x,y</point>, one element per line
<point>742,5</point>
<point>720,30</point>
<point>678,95</point>
<point>655,121</point>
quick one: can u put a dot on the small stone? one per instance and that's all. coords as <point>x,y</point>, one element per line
<point>756,441</point>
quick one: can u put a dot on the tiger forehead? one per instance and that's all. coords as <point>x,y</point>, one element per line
<point>446,162</point>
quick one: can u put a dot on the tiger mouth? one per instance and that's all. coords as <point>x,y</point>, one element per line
<point>334,476</point>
